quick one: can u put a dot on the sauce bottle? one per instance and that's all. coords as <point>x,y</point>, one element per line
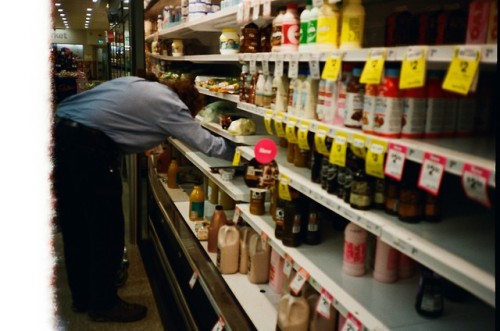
<point>329,104</point>
<point>276,33</point>
<point>386,263</point>
<point>305,16</point>
<point>379,192</point>
<point>312,233</point>
<point>354,100</point>
<point>228,249</point>
<point>389,106</point>
<point>244,83</point>
<point>196,204</point>
<point>292,226</point>
<point>173,169</point>
<point>257,199</point>
<point>293,313</point>
<point>354,250</point>
<point>327,37</point>
<point>279,218</point>
<point>218,220</point>
<point>361,193</point>
<point>391,204</point>
<point>316,165</point>
<point>268,92</point>
<point>259,253</point>
<point>341,93</point>
<point>414,113</point>
<point>410,196</point>
<point>309,97</point>
<point>429,302</point>
<point>369,102</point>
<point>290,29</point>
<point>280,93</point>
<point>353,25</point>
<point>320,101</point>
<point>259,89</point>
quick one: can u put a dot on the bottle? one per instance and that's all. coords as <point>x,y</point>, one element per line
<point>341,93</point>
<point>265,33</point>
<point>477,30</point>
<point>493,24</point>
<point>279,218</point>
<point>245,233</point>
<point>292,226</point>
<point>414,113</point>
<point>276,265</point>
<point>244,83</point>
<point>298,95</point>
<point>428,24</point>
<point>280,94</point>
<point>432,208</point>
<point>173,169</point>
<point>327,34</point>
<point>229,41</point>
<point>290,30</point>
<point>226,201</point>
<point>196,204</point>
<point>253,87</point>
<point>401,28</point>
<point>213,192</point>
<point>354,250</point>
<point>345,175</point>
<point>434,115</point>
<point>361,192</point>
<point>293,313</point>
<point>369,102</point>
<point>353,25</point>
<point>259,253</point>
<point>316,165</point>
<point>389,106</point>
<point>164,160</point>
<point>312,28</point>
<point>320,101</point>
<point>257,199</point>
<point>392,197</point>
<point>330,97</point>
<point>292,86</point>
<point>268,92</point>
<point>305,16</point>
<point>249,38</point>
<point>218,220</point>
<point>466,114</point>
<point>354,100</point>
<point>309,97</point>
<point>159,23</point>
<point>301,157</point>
<point>312,233</point>
<point>276,34</point>
<point>410,208</point>
<point>386,263</point>
<point>259,89</point>
<point>429,302</point>
<point>452,27</point>
<point>228,249</point>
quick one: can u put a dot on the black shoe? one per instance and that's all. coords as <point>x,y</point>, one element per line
<point>123,312</point>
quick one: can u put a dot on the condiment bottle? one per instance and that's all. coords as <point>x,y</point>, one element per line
<point>414,113</point>
<point>293,313</point>
<point>327,37</point>
<point>354,250</point>
<point>386,263</point>
<point>228,249</point>
<point>244,83</point>
<point>268,92</point>
<point>361,193</point>
<point>340,94</point>
<point>316,165</point>
<point>389,106</point>
<point>368,119</point>
<point>429,301</point>
<point>290,29</point>
<point>410,196</point>
<point>279,98</point>
<point>354,100</point>
<point>309,97</point>
<point>279,218</point>
<point>312,28</point>
<point>196,203</point>
<point>276,34</point>
<point>218,220</point>
<point>304,25</point>
<point>313,234</point>
<point>392,197</point>
<point>257,199</point>
<point>259,89</point>
<point>292,226</point>
<point>173,169</point>
<point>345,175</point>
<point>379,192</point>
<point>353,25</point>
<point>259,253</point>
<point>276,271</point>
<point>434,118</point>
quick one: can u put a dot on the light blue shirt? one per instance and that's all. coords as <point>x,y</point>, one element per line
<point>139,115</point>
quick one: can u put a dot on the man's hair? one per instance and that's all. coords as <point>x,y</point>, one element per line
<point>187,92</point>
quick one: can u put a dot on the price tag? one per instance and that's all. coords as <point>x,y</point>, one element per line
<point>265,67</point>
<point>463,69</point>
<point>283,189</point>
<point>431,173</point>
<point>302,134</point>
<point>278,66</point>
<point>236,158</point>
<point>268,117</point>
<point>358,140</point>
<point>319,139</point>
<point>324,303</point>
<point>253,65</point>
<point>278,125</point>
<point>314,66</point>
<point>339,149</point>
<point>266,8</point>
<point>332,66</point>
<point>290,130</point>
<point>236,215</point>
<point>299,280</point>
<point>255,10</point>
<point>293,66</point>
<point>413,68</point>
<point>351,323</point>
<point>395,161</point>
<point>288,266</point>
<point>193,279</point>
<point>219,326</point>
<point>475,183</point>
<point>374,162</point>
<point>374,67</point>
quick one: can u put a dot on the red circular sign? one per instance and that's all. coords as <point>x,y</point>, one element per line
<point>265,150</point>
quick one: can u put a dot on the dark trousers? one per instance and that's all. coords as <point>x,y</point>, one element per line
<point>88,191</point>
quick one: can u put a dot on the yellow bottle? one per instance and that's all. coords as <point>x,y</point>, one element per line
<point>327,36</point>
<point>173,169</point>
<point>353,25</point>
<point>196,204</point>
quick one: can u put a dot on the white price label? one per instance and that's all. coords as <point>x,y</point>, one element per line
<point>266,8</point>
<point>219,326</point>
<point>253,65</point>
<point>278,67</point>
<point>351,324</point>
<point>287,266</point>
<point>431,173</point>
<point>265,67</point>
<point>314,66</point>
<point>324,303</point>
<point>395,162</point>
<point>256,10</point>
<point>193,279</point>
<point>246,11</point>
<point>475,184</point>
<point>293,66</point>
<point>236,216</point>
<point>299,280</point>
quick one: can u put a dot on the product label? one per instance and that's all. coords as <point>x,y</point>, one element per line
<point>303,32</point>
<point>352,30</point>
<point>354,253</point>
<point>291,34</point>
<point>312,225</point>
<point>388,114</point>
<point>414,114</point>
<point>476,28</point>
<point>360,200</point>
<point>327,30</point>
<point>197,209</point>
<point>229,44</point>
<point>368,119</point>
<point>353,109</point>
<point>276,36</point>
<point>312,26</point>
<point>475,183</point>
<point>296,224</point>
<point>431,173</point>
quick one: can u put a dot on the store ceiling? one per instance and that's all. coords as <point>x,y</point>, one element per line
<point>76,12</point>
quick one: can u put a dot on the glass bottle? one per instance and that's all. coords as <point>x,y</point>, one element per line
<point>391,204</point>
<point>312,230</point>
<point>361,191</point>
<point>292,226</point>
<point>379,192</point>
<point>429,302</point>
<point>410,196</point>
<point>432,208</point>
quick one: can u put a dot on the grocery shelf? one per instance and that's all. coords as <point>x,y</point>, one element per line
<point>236,188</point>
<point>209,58</point>
<point>378,306</point>
<point>449,247</point>
<point>223,96</point>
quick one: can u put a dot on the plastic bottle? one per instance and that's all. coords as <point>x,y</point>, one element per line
<point>293,313</point>
<point>414,113</point>
<point>228,249</point>
<point>386,263</point>
<point>309,97</point>
<point>339,96</point>
<point>245,232</point>
<point>244,83</point>
<point>259,89</point>
<point>354,100</point>
<point>159,23</point>
<point>353,25</point>
<point>320,101</point>
<point>259,253</point>
<point>173,169</point>
<point>268,92</point>
<point>280,91</point>
<point>434,118</point>
<point>305,16</point>
<point>196,204</point>
<point>276,271</point>
<point>218,220</point>
<point>276,34</point>
<point>327,36</point>
<point>389,106</point>
<point>330,96</point>
<point>369,102</point>
<point>290,30</point>
<point>354,250</point>
<point>312,28</point>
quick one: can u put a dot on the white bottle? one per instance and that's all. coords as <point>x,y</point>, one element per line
<point>312,29</point>
<point>305,16</point>
<point>327,38</point>
<point>309,97</point>
<point>159,23</point>
<point>259,89</point>
<point>386,263</point>
<point>280,94</point>
<point>290,30</point>
<point>268,91</point>
<point>277,30</point>
<point>320,102</point>
<point>354,250</point>
<point>293,313</point>
<point>353,25</point>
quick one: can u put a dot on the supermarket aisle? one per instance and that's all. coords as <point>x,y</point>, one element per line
<point>137,290</point>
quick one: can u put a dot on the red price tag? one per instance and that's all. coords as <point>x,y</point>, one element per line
<point>475,183</point>
<point>351,323</point>
<point>395,161</point>
<point>431,173</point>
<point>299,280</point>
<point>324,304</point>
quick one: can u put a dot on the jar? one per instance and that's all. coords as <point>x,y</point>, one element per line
<point>257,199</point>
<point>354,101</point>
<point>229,41</point>
<point>177,47</point>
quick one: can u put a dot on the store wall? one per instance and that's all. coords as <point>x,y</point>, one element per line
<point>87,38</point>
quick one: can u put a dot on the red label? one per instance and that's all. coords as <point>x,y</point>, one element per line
<point>291,33</point>
<point>354,253</point>
<point>476,28</point>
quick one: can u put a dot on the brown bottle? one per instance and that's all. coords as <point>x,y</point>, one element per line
<point>392,197</point>
<point>164,160</point>
<point>292,225</point>
<point>312,230</point>
<point>379,192</point>
<point>432,208</point>
<point>173,169</point>
<point>218,220</point>
<point>410,196</point>
<point>361,192</point>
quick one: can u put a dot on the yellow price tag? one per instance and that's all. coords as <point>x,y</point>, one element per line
<point>339,149</point>
<point>283,189</point>
<point>236,158</point>
<point>302,135</point>
<point>358,145</point>
<point>413,68</point>
<point>278,125</point>
<point>268,116</point>
<point>462,70</point>
<point>319,139</point>
<point>332,66</point>
<point>374,162</point>
<point>290,130</point>
<point>374,67</point>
